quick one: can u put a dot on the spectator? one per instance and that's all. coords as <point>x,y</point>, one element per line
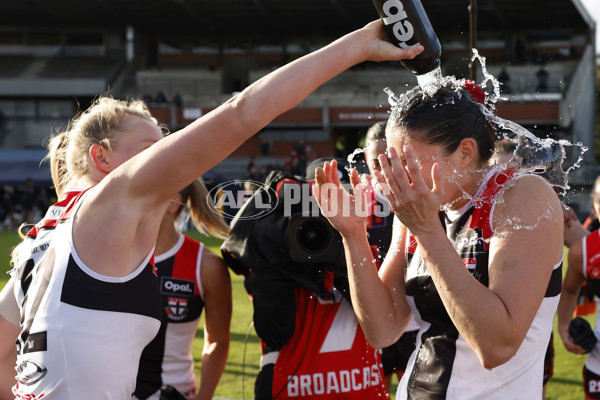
<point>542,79</point>
<point>28,200</point>
<point>504,79</point>
<point>160,98</point>
<point>177,101</point>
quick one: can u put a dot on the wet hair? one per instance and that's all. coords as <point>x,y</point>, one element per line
<point>444,118</point>
<point>376,132</point>
<point>67,150</point>
<point>202,210</point>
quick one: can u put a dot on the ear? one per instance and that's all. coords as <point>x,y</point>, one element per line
<point>175,204</point>
<point>466,152</point>
<point>98,155</point>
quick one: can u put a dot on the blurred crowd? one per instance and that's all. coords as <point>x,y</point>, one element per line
<point>24,203</point>
<point>295,163</point>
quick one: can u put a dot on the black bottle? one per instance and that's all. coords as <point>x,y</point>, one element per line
<point>406,23</point>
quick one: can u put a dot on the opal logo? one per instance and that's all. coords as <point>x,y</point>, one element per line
<point>177,286</point>
<point>227,198</point>
<point>402,28</point>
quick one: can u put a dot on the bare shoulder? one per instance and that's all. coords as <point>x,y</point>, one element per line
<point>209,257</point>
<point>213,266</point>
<point>529,202</point>
<point>531,191</point>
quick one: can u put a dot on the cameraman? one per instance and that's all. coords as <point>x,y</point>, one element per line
<point>312,345</point>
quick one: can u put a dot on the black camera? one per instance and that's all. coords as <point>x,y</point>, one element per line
<point>313,240</point>
<point>294,237</point>
<point>582,334</point>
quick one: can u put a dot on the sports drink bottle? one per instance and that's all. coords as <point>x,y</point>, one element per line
<point>407,24</point>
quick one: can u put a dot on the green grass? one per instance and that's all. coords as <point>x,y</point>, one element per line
<point>242,367</point>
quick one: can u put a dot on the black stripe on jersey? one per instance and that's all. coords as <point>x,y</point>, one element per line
<point>149,377</point>
<point>25,275</point>
<point>139,295</point>
<point>555,282</point>
<point>44,273</point>
<point>433,364</point>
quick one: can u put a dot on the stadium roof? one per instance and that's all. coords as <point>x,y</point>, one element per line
<point>276,17</point>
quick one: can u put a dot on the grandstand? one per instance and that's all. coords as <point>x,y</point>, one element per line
<point>198,53</point>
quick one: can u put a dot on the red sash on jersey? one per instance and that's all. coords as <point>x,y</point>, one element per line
<point>54,212</point>
<point>328,357</point>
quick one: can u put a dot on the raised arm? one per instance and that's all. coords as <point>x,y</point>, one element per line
<point>526,245</point>
<point>121,210</point>
<point>378,299</point>
<point>174,162</point>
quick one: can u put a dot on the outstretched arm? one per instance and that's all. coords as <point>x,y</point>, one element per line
<point>129,194</point>
<point>207,141</point>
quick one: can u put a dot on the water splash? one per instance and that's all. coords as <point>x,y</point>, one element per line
<point>356,152</point>
<point>531,155</point>
<point>429,81</point>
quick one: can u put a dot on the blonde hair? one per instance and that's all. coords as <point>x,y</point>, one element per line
<point>202,210</point>
<point>67,150</point>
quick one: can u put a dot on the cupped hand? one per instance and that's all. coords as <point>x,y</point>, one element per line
<point>345,211</point>
<point>379,47</point>
<point>409,196</point>
<point>568,341</point>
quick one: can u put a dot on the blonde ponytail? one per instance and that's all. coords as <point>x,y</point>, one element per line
<point>202,211</point>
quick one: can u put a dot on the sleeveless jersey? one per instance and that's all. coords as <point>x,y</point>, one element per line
<point>82,333</point>
<point>328,356</point>
<point>591,270</point>
<point>444,366</point>
<point>168,360</point>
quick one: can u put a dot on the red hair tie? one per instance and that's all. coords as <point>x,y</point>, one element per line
<point>475,91</point>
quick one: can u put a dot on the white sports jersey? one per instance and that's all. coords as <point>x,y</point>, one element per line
<point>82,333</point>
<point>444,366</point>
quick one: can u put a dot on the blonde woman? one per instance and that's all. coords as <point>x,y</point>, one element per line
<point>85,298</point>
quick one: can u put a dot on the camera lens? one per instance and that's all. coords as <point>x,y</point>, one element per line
<point>313,235</point>
<point>313,240</point>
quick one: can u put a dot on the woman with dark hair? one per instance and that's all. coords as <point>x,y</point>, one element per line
<point>475,258</point>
